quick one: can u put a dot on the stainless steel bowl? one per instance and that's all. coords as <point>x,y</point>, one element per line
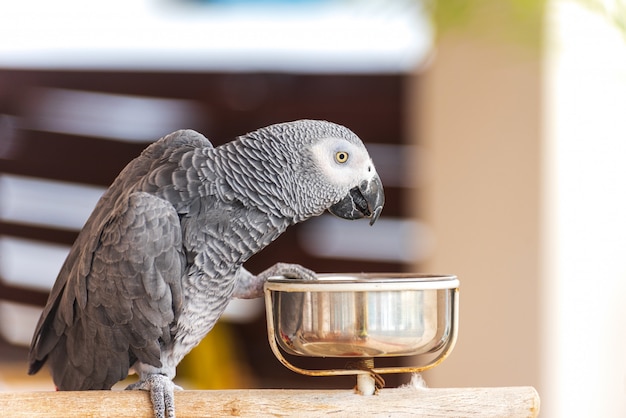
<point>362,315</point>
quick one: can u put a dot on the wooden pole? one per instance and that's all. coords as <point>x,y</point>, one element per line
<point>513,402</point>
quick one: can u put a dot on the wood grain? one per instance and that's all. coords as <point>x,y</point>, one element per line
<point>499,402</point>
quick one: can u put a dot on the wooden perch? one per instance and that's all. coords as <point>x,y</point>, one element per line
<point>399,402</point>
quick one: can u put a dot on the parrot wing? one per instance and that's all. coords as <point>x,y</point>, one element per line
<point>68,296</point>
<point>119,301</point>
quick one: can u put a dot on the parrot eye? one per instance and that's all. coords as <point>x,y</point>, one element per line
<point>341,157</point>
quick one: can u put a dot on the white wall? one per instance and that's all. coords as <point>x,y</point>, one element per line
<point>525,192</point>
<point>584,339</point>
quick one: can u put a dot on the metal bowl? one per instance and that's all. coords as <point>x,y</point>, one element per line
<point>362,315</point>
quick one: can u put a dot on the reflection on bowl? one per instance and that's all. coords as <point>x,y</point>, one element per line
<point>362,315</point>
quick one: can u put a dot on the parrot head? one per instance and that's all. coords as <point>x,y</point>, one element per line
<point>323,166</point>
<point>345,163</point>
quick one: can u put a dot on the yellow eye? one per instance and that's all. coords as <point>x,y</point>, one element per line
<point>341,157</point>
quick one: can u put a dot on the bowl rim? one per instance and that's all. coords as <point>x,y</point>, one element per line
<point>362,282</point>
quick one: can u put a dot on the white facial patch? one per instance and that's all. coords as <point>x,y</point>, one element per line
<point>357,167</point>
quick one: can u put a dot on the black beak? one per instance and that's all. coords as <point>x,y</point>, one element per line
<point>365,200</point>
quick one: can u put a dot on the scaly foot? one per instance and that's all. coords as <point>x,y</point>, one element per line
<point>161,390</point>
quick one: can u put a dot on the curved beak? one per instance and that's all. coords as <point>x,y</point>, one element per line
<point>365,200</point>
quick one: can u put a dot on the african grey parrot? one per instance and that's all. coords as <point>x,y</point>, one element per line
<point>162,253</point>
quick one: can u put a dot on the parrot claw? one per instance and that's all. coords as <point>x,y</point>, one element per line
<point>290,271</point>
<point>250,286</point>
<point>161,390</point>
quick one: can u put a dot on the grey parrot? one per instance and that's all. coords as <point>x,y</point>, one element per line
<point>163,251</point>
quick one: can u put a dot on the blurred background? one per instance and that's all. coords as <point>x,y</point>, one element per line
<point>497,127</point>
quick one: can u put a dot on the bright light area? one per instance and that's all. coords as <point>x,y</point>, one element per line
<point>391,240</point>
<point>29,263</point>
<point>48,203</point>
<point>111,116</point>
<point>363,36</point>
<point>585,271</point>
<point>17,322</point>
